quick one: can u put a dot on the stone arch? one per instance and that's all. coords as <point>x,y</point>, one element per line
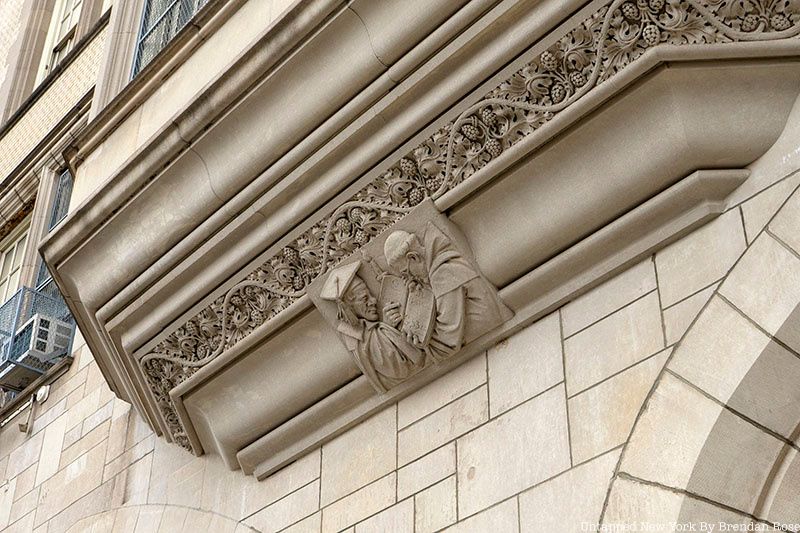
<point>718,437</point>
<point>156,518</point>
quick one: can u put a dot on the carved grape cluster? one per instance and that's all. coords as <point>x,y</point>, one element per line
<point>561,73</point>
<point>754,16</point>
<point>417,192</point>
<point>249,305</point>
<point>355,227</point>
<point>287,269</point>
<point>482,134</point>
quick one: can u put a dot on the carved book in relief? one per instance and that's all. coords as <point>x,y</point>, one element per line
<point>416,307</point>
<point>412,297</point>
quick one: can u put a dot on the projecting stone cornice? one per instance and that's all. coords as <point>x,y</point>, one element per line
<point>560,169</point>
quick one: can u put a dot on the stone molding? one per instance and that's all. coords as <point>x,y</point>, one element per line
<point>664,104</point>
<point>29,186</point>
<point>28,53</point>
<point>121,96</point>
<point>117,94</point>
<point>618,34</point>
<point>118,54</point>
<point>135,179</point>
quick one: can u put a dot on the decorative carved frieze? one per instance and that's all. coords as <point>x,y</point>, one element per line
<point>609,40</point>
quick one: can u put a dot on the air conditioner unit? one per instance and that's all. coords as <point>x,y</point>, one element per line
<point>42,337</point>
<point>32,350</point>
<point>6,396</point>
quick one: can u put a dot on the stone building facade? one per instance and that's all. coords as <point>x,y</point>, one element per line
<point>618,178</point>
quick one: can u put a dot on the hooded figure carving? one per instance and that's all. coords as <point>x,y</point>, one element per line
<point>381,352</point>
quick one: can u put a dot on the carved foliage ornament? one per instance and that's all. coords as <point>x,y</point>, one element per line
<point>602,45</point>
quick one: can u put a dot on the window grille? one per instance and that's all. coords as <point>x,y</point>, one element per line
<point>36,330</point>
<point>161,21</point>
<point>61,200</point>
<point>36,327</point>
<point>58,212</point>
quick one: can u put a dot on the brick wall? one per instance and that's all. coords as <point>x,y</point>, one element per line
<point>48,110</point>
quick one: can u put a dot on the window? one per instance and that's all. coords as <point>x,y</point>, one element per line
<point>11,254</point>
<point>161,21</point>
<point>61,36</point>
<point>58,212</point>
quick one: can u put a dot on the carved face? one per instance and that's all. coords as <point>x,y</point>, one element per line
<point>361,300</point>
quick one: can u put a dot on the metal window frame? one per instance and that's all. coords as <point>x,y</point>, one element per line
<point>187,9</point>
<point>61,197</point>
<point>59,42</point>
<point>12,239</point>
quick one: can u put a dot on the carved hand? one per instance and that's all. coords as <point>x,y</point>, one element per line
<point>391,314</point>
<point>413,284</point>
<point>413,339</point>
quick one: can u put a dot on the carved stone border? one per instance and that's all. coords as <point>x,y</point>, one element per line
<point>606,42</point>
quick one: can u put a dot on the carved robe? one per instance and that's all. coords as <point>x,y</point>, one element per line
<point>466,304</point>
<point>382,353</point>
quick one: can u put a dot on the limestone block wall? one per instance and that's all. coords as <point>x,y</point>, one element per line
<point>667,394</point>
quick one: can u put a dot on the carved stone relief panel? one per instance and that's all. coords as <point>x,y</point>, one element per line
<point>590,54</point>
<point>410,298</point>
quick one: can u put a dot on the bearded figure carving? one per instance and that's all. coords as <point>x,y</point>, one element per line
<point>466,305</point>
